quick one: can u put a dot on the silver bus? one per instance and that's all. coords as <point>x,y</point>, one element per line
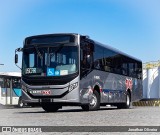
<point>72,69</point>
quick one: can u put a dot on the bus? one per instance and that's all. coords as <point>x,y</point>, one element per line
<point>10,89</point>
<point>71,69</point>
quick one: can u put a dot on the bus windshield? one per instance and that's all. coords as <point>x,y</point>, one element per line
<point>50,61</point>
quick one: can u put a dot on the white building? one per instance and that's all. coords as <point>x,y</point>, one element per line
<point>151,80</point>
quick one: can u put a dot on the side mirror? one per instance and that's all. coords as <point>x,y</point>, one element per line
<point>16,58</point>
<point>19,49</point>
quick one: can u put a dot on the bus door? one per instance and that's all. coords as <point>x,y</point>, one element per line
<point>86,68</point>
<point>16,90</point>
<point>7,93</point>
<point>2,92</point>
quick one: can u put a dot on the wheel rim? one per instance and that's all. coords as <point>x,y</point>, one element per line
<point>21,104</point>
<point>93,101</point>
<point>128,100</point>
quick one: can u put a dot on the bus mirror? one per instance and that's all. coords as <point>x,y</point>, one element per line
<point>19,49</point>
<point>16,58</point>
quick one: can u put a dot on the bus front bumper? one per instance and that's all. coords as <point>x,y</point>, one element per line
<point>69,98</point>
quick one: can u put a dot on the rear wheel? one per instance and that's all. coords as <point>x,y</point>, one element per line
<point>48,107</point>
<point>20,103</point>
<point>94,104</point>
<point>127,104</point>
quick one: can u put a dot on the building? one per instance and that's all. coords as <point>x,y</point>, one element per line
<point>151,80</point>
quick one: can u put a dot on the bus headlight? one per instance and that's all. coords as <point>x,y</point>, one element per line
<point>73,86</point>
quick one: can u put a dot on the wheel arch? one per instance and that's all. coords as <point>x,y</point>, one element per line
<point>97,88</point>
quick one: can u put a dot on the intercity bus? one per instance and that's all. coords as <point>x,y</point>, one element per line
<point>10,89</point>
<point>72,69</point>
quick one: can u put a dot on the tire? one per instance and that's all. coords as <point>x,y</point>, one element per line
<point>127,103</point>
<point>48,107</point>
<point>20,103</point>
<point>95,104</point>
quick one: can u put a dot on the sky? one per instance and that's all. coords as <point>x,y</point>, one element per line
<point>131,26</point>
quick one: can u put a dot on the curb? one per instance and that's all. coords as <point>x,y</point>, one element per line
<point>147,103</point>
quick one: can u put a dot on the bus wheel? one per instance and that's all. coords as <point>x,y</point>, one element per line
<point>20,103</point>
<point>127,104</point>
<point>50,107</point>
<point>94,104</point>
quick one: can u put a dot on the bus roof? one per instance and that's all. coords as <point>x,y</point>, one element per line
<point>17,74</point>
<point>103,45</point>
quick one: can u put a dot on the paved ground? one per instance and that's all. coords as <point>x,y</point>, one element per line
<point>74,116</point>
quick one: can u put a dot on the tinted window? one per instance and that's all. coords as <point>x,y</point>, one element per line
<point>138,70</point>
<point>50,39</point>
<point>131,69</point>
<point>112,61</point>
<point>124,65</point>
<point>86,55</point>
<point>124,68</point>
<point>116,63</point>
<point>16,82</point>
<point>7,82</point>
<point>98,58</point>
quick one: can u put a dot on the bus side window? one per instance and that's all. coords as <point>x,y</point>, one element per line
<point>98,58</point>
<point>83,58</point>
<point>6,83</point>
<point>86,51</point>
<point>139,71</point>
<point>131,69</point>
<point>124,68</point>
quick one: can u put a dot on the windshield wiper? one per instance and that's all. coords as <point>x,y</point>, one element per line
<point>38,52</point>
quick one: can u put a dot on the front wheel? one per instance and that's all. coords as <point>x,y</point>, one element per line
<point>50,107</point>
<point>94,104</point>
